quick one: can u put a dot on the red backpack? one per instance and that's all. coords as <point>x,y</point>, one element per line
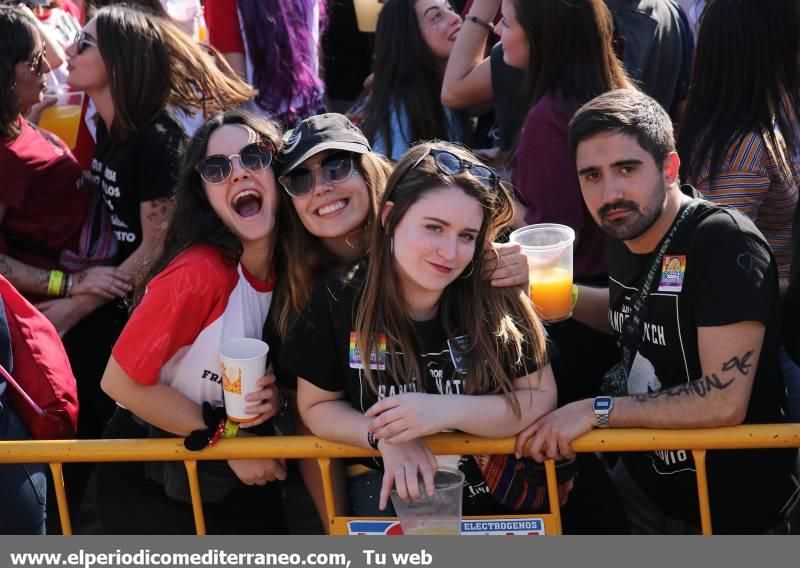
<point>42,387</point>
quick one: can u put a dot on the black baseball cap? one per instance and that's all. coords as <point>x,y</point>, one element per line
<point>329,131</point>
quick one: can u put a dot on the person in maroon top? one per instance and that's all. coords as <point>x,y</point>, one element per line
<point>43,204</point>
<point>566,50</point>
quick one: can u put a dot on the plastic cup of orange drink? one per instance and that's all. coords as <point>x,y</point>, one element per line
<point>548,247</point>
<point>367,12</point>
<point>64,118</point>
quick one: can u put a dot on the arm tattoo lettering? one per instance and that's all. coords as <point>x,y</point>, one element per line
<point>705,386</point>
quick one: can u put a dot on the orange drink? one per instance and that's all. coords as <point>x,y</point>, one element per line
<point>367,12</point>
<point>63,121</point>
<point>551,292</point>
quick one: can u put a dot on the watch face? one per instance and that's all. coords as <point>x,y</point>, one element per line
<point>603,403</point>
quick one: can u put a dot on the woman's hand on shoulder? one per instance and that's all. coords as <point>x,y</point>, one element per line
<point>504,264</point>
<point>258,472</point>
<point>267,401</point>
<point>406,417</point>
<point>403,465</point>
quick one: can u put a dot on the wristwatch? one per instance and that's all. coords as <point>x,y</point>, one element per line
<point>602,406</point>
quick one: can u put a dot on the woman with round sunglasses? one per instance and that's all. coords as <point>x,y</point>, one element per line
<point>415,331</point>
<point>213,282</point>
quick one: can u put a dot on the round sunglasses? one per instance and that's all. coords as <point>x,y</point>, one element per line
<point>218,168</point>
<point>335,168</point>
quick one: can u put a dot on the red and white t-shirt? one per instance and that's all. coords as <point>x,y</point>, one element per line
<point>196,303</point>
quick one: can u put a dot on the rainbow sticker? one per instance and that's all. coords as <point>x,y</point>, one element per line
<point>377,359</point>
<point>673,269</point>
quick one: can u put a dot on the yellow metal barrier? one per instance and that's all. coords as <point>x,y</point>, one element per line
<point>57,453</point>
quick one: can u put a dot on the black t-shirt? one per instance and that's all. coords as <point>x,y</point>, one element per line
<point>143,168</point>
<point>510,106</point>
<point>718,270</point>
<point>321,348</point>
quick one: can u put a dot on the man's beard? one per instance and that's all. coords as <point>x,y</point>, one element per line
<point>637,221</point>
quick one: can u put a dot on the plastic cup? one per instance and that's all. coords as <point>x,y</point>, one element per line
<point>64,118</point>
<point>548,247</point>
<point>436,515</point>
<point>367,12</point>
<point>242,362</point>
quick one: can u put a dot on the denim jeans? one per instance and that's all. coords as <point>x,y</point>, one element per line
<point>23,486</point>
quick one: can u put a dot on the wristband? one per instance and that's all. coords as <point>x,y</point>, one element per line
<point>68,286</point>
<point>371,440</point>
<point>231,429</point>
<point>484,23</point>
<point>55,284</point>
<point>575,291</point>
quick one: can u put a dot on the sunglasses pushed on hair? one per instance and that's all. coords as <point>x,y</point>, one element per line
<point>450,164</point>
<point>335,168</point>
<point>218,168</point>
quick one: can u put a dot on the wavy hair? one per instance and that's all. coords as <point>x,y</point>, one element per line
<point>194,220</point>
<point>301,256</point>
<point>175,72</point>
<point>502,325</point>
<point>745,79</point>
<point>17,41</point>
<point>281,47</point>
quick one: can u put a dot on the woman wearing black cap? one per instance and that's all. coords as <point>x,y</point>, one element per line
<point>333,183</point>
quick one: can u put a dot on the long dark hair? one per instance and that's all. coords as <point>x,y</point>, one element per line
<point>194,221</point>
<point>175,72</point>
<point>745,79</point>
<point>571,50</point>
<point>17,40</point>
<point>281,48</point>
<point>152,6</point>
<point>501,322</point>
<point>408,78</point>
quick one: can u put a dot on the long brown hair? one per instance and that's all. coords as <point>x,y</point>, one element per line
<point>571,49</point>
<point>301,256</point>
<point>175,70</point>
<point>17,42</point>
<point>502,325</point>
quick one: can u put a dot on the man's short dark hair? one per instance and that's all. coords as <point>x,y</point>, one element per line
<point>625,111</point>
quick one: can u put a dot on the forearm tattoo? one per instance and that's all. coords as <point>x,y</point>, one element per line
<point>159,211</point>
<point>705,386</point>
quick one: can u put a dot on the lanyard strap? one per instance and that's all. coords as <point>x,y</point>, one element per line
<point>632,328</point>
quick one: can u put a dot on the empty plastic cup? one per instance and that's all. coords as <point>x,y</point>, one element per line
<point>242,362</point>
<point>548,247</point>
<point>439,514</point>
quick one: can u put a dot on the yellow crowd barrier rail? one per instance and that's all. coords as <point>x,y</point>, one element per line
<point>56,453</point>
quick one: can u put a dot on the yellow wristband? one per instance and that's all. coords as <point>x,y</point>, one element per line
<point>231,429</point>
<point>574,295</point>
<point>55,283</point>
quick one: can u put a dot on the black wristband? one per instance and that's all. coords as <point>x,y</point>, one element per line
<point>476,20</point>
<point>373,443</point>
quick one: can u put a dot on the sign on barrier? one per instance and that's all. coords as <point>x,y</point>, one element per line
<point>530,526</point>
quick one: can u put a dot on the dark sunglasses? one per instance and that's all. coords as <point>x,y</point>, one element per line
<point>218,168</point>
<point>36,62</point>
<point>450,164</point>
<point>335,168</point>
<point>83,41</point>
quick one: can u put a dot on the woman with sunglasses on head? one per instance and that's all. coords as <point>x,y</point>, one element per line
<point>333,183</point>
<point>404,103</point>
<point>415,331</point>
<point>213,282</point>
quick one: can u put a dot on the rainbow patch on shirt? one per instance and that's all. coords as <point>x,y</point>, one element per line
<point>673,269</point>
<point>377,359</point>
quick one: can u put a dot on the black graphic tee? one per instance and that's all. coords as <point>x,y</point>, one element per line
<point>143,168</point>
<point>321,349</point>
<point>718,270</point>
